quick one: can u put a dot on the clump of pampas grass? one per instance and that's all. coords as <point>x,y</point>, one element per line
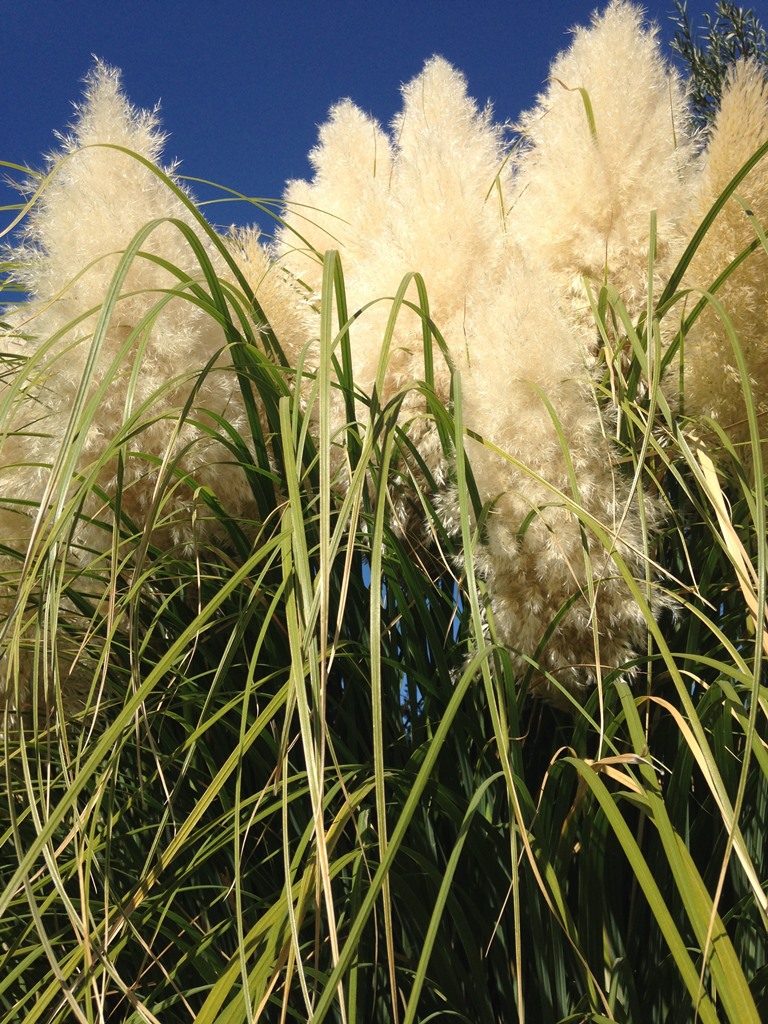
<point>563,523</point>
<point>512,246</point>
<point>124,369</point>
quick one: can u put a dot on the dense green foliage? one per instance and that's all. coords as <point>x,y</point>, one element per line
<point>733,33</point>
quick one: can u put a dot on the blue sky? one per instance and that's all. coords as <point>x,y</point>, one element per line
<point>243,84</point>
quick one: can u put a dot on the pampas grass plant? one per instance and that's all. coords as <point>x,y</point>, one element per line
<point>289,534</point>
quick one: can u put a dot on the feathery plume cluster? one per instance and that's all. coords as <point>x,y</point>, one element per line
<point>98,202</point>
<point>410,201</point>
<point>426,198</point>
<point>116,315</point>
<point>509,246</point>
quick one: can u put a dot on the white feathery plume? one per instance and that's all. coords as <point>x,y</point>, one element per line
<point>96,198</point>
<point>712,384</point>
<point>607,144</point>
<point>414,202</point>
<point>530,395</point>
<point>499,309</point>
<point>417,201</point>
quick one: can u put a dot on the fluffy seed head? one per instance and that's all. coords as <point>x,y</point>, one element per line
<point>526,387</point>
<point>605,146</point>
<point>713,385</point>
